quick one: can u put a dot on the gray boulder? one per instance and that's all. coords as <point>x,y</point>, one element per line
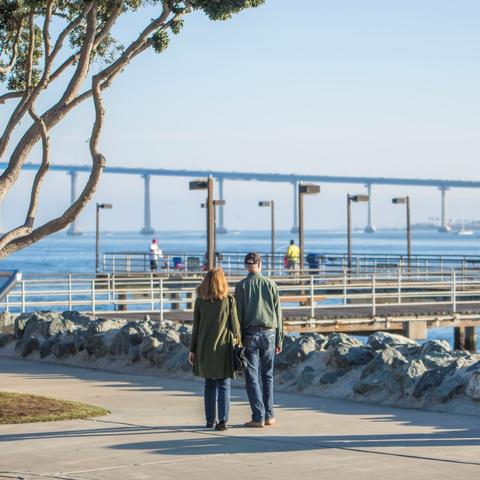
<point>7,322</point>
<point>381,340</point>
<point>5,339</point>
<point>305,377</point>
<point>47,345</point>
<point>450,388</point>
<point>434,377</point>
<point>331,377</point>
<point>385,360</point>
<point>473,387</point>
<point>435,347</point>
<point>27,346</point>
<point>295,350</point>
<point>321,341</point>
<point>147,348</point>
<point>335,339</point>
<point>347,356</point>
<point>63,348</point>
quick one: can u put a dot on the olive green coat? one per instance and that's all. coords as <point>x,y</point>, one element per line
<point>212,338</point>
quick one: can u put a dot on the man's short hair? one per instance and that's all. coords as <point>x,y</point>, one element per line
<point>252,258</point>
<point>292,242</point>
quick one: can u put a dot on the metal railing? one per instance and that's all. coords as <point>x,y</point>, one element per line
<point>308,295</point>
<point>127,262</point>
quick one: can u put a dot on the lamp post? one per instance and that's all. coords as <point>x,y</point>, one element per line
<point>207,185</point>
<point>350,199</point>
<point>406,202</point>
<point>271,204</point>
<point>97,233</point>
<point>216,203</point>
<point>303,189</point>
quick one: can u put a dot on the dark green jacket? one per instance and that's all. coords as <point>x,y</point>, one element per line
<point>258,303</point>
<point>212,338</point>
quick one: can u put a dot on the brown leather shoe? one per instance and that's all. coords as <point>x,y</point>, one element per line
<point>253,424</point>
<point>270,421</point>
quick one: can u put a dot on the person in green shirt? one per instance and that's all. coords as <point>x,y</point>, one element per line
<point>260,317</point>
<point>211,345</point>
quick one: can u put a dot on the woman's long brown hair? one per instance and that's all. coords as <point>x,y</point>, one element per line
<point>214,285</point>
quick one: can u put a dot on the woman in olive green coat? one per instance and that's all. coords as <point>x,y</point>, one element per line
<point>212,343</point>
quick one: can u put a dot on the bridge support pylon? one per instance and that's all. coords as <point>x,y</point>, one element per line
<point>370,228</point>
<point>147,217</point>
<point>221,229</point>
<point>294,228</point>
<point>444,226</point>
<point>73,229</point>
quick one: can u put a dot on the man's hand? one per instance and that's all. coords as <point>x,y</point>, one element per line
<point>278,349</point>
<point>191,358</point>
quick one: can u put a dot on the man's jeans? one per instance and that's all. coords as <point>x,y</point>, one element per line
<point>217,391</point>
<point>260,353</point>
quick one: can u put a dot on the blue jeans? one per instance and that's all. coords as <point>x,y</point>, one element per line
<point>260,353</point>
<point>217,391</point>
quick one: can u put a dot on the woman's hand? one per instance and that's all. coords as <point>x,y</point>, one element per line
<point>191,358</point>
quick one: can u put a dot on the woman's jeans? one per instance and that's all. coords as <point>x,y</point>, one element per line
<point>260,353</point>
<point>217,392</point>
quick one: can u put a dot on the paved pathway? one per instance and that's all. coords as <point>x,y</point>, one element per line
<point>154,432</point>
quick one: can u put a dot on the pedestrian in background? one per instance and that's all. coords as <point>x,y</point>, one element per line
<point>260,318</point>
<point>155,254</point>
<point>215,330</point>
<point>293,256</point>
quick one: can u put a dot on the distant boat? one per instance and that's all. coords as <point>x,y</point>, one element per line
<point>463,231</point>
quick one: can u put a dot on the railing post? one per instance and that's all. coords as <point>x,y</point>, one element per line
<point>399,287</point>
<point>161,299</point>
<point>374,305</point>
<point>93,297</point>
<point>23,296</point>
<point>152,296</point>
<point>113,263</point>
<point>454,291</point>
<point>312,299</point>
<point>344,286</point>
<point>128,263</point>
<point>70,292</point>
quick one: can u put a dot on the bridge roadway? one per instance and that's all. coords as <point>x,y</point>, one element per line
<point>263,177</point>
<point>292,178</point>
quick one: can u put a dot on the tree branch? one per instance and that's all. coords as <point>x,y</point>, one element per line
<point>27,226</point>
<point>31,45</point>
<point>98,164</point>
<point>6,68</point>
<point>46,33</point>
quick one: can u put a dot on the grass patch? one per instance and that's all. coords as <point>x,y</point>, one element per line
<point>24,408</point>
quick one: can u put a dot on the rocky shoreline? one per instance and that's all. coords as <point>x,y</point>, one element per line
<point>388,369</point>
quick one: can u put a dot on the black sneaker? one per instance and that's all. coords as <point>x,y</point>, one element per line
<point>221,426</point>
<point>209,425</point>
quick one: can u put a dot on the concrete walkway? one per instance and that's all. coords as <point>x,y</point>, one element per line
<point>154,432</point>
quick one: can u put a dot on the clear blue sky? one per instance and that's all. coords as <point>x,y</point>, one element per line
<point>358,87</point>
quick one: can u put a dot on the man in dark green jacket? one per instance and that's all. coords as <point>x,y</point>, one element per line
<point>260,317</point>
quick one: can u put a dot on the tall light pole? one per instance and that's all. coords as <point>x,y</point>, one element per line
<point>216,203</point>
<point>271,204</point>
<point>406,202</point>
<point>97,233</point>
<point>350,199</point>
<point>208,185</point>
<point>303,189</point>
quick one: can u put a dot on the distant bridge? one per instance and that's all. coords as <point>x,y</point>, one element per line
<point>293,178</point>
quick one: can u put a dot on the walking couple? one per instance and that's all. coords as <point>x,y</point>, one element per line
<point>253,319</point>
